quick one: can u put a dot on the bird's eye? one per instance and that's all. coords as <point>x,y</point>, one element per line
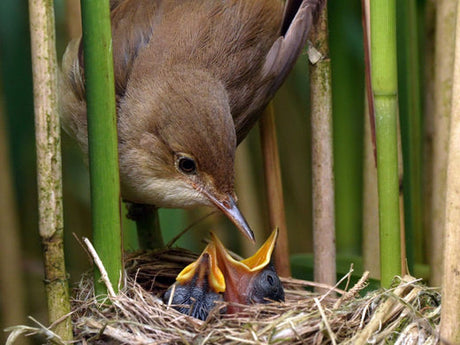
<point>270,280</point>
<point>187,165</point>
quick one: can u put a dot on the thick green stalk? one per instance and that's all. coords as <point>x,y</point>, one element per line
<point>411,128</point>
<point>384,88</point>
<point>102,134</point>
<point>450,313</point>
<point>49,175</point>
<point>322,155</point>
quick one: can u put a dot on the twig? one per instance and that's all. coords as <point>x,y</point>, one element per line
<point>326,323</point>
<point>100,266</point>
<point>361,284</point>
<point>346,276</point>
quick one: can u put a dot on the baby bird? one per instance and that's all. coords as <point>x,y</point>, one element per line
<point>216,276</point>
<point>191,78</point>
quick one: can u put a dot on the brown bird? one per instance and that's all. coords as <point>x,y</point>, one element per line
<point>192,77</point>
<point>216,276</point>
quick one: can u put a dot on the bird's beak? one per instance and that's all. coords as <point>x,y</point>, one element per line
<point>205,267</point>
<point>230,209</point>
<point>239,274</point>
<point>263,256</point>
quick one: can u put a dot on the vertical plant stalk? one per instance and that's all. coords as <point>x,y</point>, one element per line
<point>129,230</point>
<point>371,249</point>
<point>49,175</point>
<point>274,189</point>
<point>147,225</point>
<point>322,154</point>
<point>248,197</point>
<point>443,62</point>
<point>411,127</point>
<point>149,230</point>
<point>384,88</point>
<point>12,292</point>
<point>369,99</point>
<point>450,313</point>
<point>428,119</point>
<point>73,21</point>
<point>371,245</point>
<point>102,139</point>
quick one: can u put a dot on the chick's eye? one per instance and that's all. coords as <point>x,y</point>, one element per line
<point>187,165</point>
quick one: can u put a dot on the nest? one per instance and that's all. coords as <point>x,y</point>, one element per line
<point>408,313</point>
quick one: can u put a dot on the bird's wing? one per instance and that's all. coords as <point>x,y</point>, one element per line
<point>127,40</point>
<point>290,10</point>
<point>284,52</point>
<point>115,3</point>
<point>299,16</point>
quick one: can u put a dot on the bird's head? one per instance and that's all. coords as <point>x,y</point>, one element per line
<point>177,143</point>
<point>199,286</point>
<point>252,280</point>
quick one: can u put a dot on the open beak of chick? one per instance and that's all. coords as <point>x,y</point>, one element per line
<point>217,276</point>
<point>198,287</point>
<point>252,280</point>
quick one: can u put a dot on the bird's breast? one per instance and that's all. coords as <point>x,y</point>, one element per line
<point>162,192</point>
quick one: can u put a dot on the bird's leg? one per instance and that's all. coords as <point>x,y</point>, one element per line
<point>147,224</point>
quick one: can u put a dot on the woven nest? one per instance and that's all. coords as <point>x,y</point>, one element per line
<point>409,313</point>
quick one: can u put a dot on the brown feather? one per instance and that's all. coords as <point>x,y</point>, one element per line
<point>191,78</point>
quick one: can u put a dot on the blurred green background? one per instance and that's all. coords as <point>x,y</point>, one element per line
<point>291,102</point>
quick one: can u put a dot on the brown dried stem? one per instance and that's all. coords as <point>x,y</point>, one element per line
<point>48,144</point>
<point>443,62</point>
<point>274,189</point>
<point>450,316</point>
<point>322,153</point>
